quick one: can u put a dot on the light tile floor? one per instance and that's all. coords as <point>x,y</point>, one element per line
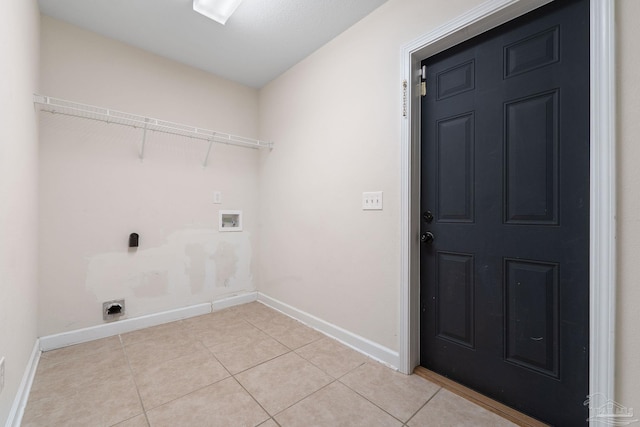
<point>243,366</point>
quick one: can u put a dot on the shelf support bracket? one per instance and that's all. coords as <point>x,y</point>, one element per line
<point>204,164</point>
<point>144,138</point>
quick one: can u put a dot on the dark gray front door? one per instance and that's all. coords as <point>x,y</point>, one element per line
<point>505,195</point>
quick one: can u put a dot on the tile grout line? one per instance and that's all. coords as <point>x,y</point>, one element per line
<point>194,332</point>
<point>276,339</point>
<point>378,406</point>
<point>373,403</point>
<point>133,377</point>
<point>255,400</point>
<point>290,350</point>
<point>425,404</point>
<point>307,396</point>
<point>169,360</point>
<point>311,394</point>
<point>231,375</point>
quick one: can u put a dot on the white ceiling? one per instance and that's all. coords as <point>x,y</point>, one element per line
<point>260,41</point>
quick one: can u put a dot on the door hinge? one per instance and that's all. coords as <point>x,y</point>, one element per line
<point>404,98</point>
<point>423,81</point>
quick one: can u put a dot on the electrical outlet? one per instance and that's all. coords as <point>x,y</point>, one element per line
<point>217,197</point>
<point>1,374</point>
<point>372,201</point>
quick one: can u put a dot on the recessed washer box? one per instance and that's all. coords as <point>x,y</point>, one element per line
<point>230,221</point>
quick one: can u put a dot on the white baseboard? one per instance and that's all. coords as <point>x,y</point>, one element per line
<point>22,396</point>
<point>234,300</point>
<point>374,350</point>
<point>52,342</point>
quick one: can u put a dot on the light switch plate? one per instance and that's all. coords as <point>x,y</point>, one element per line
<point>217,197</point>
<point>372,201</point>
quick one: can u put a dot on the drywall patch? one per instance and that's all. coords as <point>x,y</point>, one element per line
<point>226,261</point>
<point>193,265</point>
<point>152,284</point>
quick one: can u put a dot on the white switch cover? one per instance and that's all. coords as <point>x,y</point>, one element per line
<point>217,197</point>
<point>372,201</point>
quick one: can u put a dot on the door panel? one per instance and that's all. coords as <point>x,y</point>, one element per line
<point>531,147</point>
<point>455,298</point>
<point>531,323</point>
<point>455,168</point>
<point>505,173</point>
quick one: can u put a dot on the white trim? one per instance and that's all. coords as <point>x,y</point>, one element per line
<point>358,343</point>
<point>52,342</point>
<point>22,396</point>
<point>234,300</point>
<point>602,178</point>
<point>602,274</point>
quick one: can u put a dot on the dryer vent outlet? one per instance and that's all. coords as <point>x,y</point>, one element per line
<point>112,310</point>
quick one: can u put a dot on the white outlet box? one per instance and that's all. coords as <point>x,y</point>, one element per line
<point>230,220</point>
<point>372,201</point>
<point>1,374</point>
<point>217,197</point>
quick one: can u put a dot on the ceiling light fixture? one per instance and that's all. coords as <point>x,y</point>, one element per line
<point>218,10</point>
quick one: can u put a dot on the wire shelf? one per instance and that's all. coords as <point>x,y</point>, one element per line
<point>70,108</point>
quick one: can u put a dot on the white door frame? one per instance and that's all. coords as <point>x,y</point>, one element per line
<point>602,246</point>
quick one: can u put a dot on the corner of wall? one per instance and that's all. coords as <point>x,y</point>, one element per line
<point>19,50</point>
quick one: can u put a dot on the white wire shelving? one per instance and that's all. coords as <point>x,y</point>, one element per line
<point>70,108</point>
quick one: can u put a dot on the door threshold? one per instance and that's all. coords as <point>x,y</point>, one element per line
<point>479,399</point>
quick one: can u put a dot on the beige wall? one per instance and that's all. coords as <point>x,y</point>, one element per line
<point>18,191</point>
<point>336,119</point>
<point>95,191</point>
<point>628,234</point>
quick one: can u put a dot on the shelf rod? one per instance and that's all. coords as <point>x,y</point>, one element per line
<point>144,138</point>
<point>204,164</point>
<point>74,109</point>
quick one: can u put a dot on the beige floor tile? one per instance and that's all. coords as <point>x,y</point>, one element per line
<point>332,357</point>
<point>166,331</point>
<point>224,403</point>
<point>260,315</point>
<point>158,350</point>
<point>234,333</point>
<point>289,331</point>
<point>277,324</point>
<point>449,409</point>
<point>55,376</point>
<point>244,354</point>
<point>102,403</point>
<point>211,321</point>
<point>139,421</point>
<point>283,381</point>
<point>335,406</point>
<point>163,382</point>
<point>297,336</point>
<point>257,313</point>
<point>66,354</point>
<point>398,394</point>
<point>181,377</point>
